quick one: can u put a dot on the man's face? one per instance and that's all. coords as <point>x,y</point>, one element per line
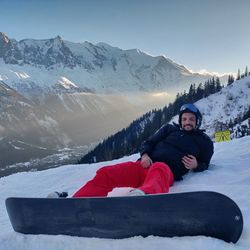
<point>188,121</point>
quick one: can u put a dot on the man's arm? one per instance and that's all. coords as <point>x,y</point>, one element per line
<point>205,157</point>
<point>148,145</point>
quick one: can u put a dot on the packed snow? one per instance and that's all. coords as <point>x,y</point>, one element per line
<point>229,173</point>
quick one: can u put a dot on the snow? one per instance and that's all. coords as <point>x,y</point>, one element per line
<point>66,83</point>
<point>229,173</point>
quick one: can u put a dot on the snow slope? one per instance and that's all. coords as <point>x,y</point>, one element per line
<point>218,109</point>
<point>229,174</point>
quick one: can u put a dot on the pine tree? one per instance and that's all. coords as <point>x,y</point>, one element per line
<point>199,92</point>
<point>217,85</point>
<point>191,93</point>
<point>212,86</point>
<point>206,88</point>
<point>238,75</point>
<point>230,79</point>
<point>246,71</point>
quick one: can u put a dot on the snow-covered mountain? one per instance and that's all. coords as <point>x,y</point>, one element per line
<point>54,65</point>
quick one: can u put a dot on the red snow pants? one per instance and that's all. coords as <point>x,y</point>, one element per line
<point>155,179</point>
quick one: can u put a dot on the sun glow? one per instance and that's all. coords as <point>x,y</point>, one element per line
<point>160,94</point>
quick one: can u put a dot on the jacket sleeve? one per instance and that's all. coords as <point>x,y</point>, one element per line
<point>148,145</point>
<point>205,156</point>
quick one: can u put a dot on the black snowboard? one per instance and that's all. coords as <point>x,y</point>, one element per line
<point>183,214</point>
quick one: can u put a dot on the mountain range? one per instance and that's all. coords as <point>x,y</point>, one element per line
<point>55,93</point>
<point>55,65</point>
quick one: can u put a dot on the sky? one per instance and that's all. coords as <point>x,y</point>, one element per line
<point>202,35</point>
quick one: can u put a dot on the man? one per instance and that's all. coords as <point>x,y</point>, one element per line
<point>166,156</point>
<point>183,148</point>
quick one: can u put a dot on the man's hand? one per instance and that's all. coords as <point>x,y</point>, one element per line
<point>146,161</point>
<point>190,162</point>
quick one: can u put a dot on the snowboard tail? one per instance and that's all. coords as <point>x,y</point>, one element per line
<point>181,214</point>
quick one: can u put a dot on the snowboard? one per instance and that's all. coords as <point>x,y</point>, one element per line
<point>179,214</point>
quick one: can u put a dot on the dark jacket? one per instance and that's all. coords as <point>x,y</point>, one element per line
<point>170,143</point>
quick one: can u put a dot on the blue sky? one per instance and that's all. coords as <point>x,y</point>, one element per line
<point>200,34</point>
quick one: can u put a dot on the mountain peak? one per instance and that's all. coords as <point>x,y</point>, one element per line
<point>5,44</point>
<point>3,38</point>
<point>57,39</point>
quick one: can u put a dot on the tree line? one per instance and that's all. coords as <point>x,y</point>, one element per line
<point>239,76</point>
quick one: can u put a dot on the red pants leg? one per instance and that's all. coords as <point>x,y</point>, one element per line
<point>158,180</point>
<point>127,174</point>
